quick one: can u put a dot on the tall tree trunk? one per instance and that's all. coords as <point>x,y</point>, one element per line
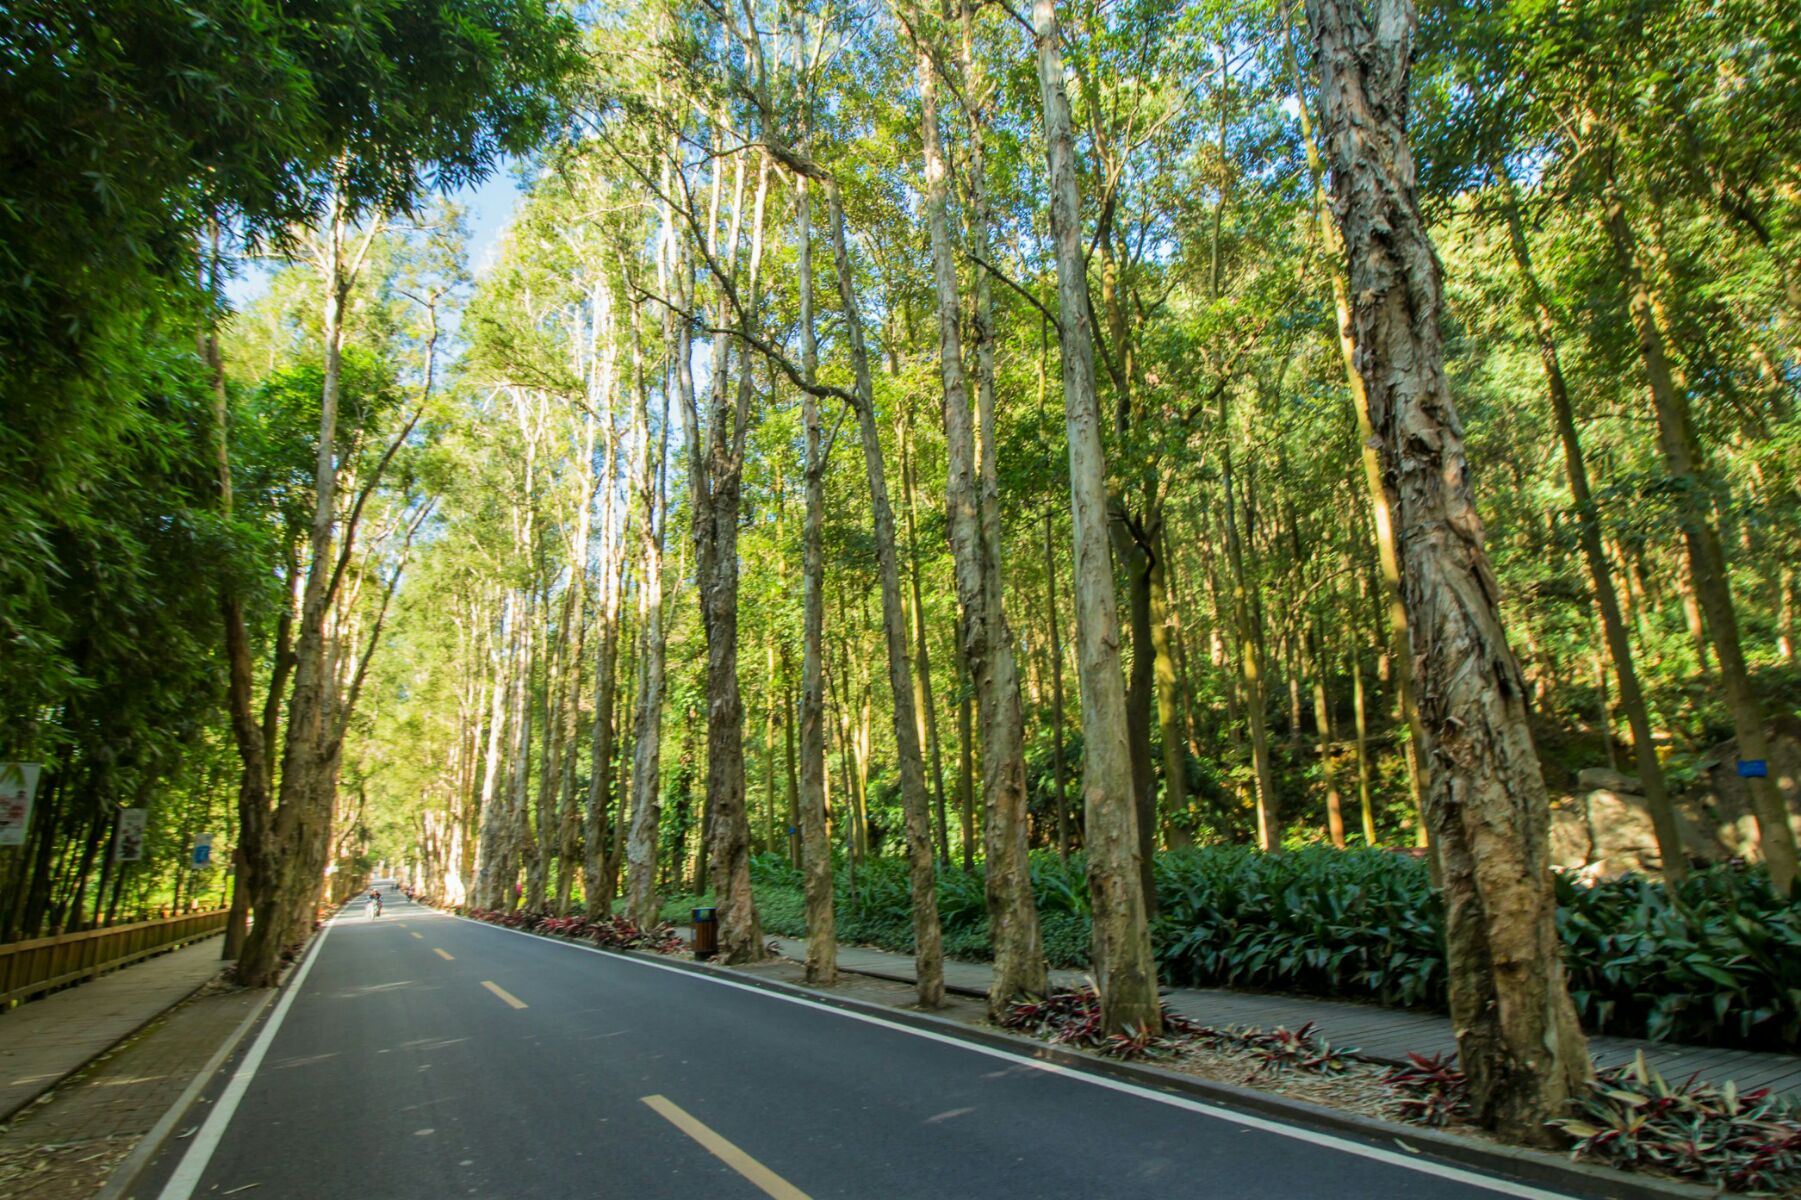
<point>1517,1034</point>
<point>1365,804</point>
<point>253,738</point>
<point>1382,517</point>
<point>928,952</point>
<point>289,876</point>
<point>790,762</point>
<point>1169,715</point>
<point>1687,464</point>
<point>557,661</point>
<point>1059,770</point>
<point>716,478</point>
<point>923,703</point>
<point>1124,969</point>
<point>1019,966</point>
<point>1322,720</point>
<point>647,737</point>
<point>1252,664</point>
<point>1588,522</point>
<point>492,806</point>
<point>599,864</point>
<point>966,758</point>
<point>815,839</point>
<point>1134,541</point>
<point>570,815</point>
<point>522,843</point>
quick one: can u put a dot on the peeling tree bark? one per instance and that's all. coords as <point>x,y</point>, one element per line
<point>1516,1028</point>
<point>1381,518</point>
<point>716,478</point>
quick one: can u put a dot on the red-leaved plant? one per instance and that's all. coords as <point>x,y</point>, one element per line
<point>1430,1089</point>
<point>1072,1017</point>
<point>613,932</point>
<point>1740,1141</point>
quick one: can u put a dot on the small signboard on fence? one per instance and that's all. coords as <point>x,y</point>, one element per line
<point>18,788</point>
<point>128,843</point>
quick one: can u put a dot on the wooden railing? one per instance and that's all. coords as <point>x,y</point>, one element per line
<point>43,964</point>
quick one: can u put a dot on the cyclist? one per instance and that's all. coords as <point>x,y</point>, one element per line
<point>374,902</point>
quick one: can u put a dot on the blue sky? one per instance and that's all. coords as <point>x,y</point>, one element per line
<point>490,206</point>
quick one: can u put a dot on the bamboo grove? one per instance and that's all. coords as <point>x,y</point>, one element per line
<point>947,433</point>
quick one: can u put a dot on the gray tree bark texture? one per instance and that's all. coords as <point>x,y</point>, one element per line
<point>928,952</point>
<point>716,479</point>
<point>816,845</point>
<point>1124,969</point>
<point>1019,966</point>
<point>1486,804</point>
<point>647,738</point>
<point>301,823</point>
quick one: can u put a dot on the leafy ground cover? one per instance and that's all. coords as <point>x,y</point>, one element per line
<point>1741,1142</point>
<point>1718,962</point>
<point>613,932</point>
<point>1629,1117</point>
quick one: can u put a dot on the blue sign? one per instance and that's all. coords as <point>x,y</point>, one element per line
<point>202,856</point>
<point>1753,768</point>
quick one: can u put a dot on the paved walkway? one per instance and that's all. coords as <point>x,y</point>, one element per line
<point>1379,1034</point>
<point>65,1148</point>
<point>44,1041</point>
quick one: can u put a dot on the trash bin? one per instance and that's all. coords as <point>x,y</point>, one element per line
<point>706,933</point>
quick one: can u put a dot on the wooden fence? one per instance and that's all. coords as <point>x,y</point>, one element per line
<point>43,964</point>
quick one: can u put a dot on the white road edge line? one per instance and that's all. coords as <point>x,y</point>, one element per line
<point>199,1154</point>
<point>1344,1145</point>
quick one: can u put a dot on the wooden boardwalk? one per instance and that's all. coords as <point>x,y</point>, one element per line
<point>1379,1034</point>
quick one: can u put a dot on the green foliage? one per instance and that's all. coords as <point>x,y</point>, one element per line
<point>1356,924</point>
<point>1717,964</point>
<point>1719,961</point>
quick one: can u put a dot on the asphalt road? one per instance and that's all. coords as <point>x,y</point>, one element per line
<point>422,1056</point>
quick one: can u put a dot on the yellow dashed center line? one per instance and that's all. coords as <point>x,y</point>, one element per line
<point>505,995</point>
<point>420,936</point>
<point>442,955</point>
<point>768,1181</point>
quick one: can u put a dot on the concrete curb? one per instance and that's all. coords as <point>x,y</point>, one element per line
<point>6,1117</point>
<point>1536,1167</point>
<point>1380,1060</point>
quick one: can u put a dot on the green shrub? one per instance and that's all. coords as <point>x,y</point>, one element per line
<point>1360,924</point>
<point>1719,963</point>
